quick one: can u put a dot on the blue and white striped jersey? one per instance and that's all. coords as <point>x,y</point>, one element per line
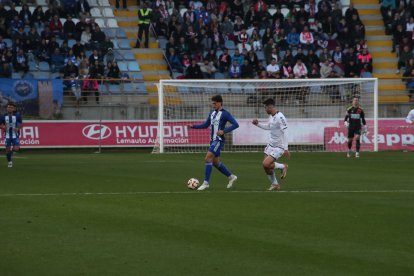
<point>11,122</point>
<point>217,120</point>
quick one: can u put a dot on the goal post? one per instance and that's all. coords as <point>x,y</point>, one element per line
<point>314,108</point>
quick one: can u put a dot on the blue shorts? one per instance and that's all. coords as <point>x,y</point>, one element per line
<point>215,147</point>
<point>8,142</point>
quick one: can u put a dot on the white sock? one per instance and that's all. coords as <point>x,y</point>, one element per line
<point>272,179</point>
<point>279,166</point>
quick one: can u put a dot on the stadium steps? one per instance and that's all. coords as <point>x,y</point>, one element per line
<point>391,88</point>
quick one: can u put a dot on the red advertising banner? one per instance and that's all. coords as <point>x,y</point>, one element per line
<point>389,138</point>
<point>55,134</point>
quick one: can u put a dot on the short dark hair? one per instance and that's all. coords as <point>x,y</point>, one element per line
<point>269,101</point>
<point>12,104</point>
<point>217,98</point>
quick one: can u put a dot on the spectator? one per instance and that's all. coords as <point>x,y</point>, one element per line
<point>329,29</point>
<point>90,86</point>
<point>352,70</point>
<point>109,57</point>
<point>224,61</point>
<point>293,39</point>
<point>97,38</point>
<point>124,4</point>
<point>253,60</point>
<point>255,41</point>
<point>409,79</point>
<point>56,27</point>
<point>365,58</point>
<point>300,70</point>
<point>174,61</point>
<point>403,59</point>
<point>83,8</point>
<point>25,15</point>
<point>212,56</point>
<point>86,37</point>
<point>194,71</point>
<point>314,71</point>
<point>20,63</point>
<point>326,69</point>
<point>306,38</point>
<point>287,70</point>
<point>237,57</point>
<point>234,70</point>
<point>337,55</point>
<point>57,61</point>
<point>207,68</point>
<point>38,17</point>
<point>273,69</point>
<point>69,28</point>
<point>113,72</point>
<point>78,48</point>
<point>70,69</point>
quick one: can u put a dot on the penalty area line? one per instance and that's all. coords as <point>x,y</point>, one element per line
<point>198,192</point>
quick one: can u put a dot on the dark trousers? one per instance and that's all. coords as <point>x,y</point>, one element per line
<point>124,4</point>
<point>143,28</point>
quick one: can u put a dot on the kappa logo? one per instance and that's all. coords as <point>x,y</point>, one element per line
<point>96,131</point>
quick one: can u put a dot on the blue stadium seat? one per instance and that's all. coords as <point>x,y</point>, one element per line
<point>129,56</point>
<point>163,43</point>
<point>16,76</point>
<point>8,42</point>
<point>133,66</point>
<point>33,66</point>
<point>218,75</point>
<point>114,89</point>
<point>71,42</point>
<point>229,44</point>
<point>141,89</point>
<point>41,75</point>
<point>137,76</point>
<point>28,76</point>
<point>110,33</point>
<point>118,56</point>
<point>124,44</point>
<point>120,33</point>
<point>260,55</point>
<point>44,66</point>
<point>123,67</point>
<point>102,89</point>
<point>129,88</point>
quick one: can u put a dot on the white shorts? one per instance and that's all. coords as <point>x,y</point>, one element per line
<point>276,153</point>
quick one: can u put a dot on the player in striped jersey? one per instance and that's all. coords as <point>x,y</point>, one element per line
<point>217,120</point>
<point>11,124</point>
<point>278,143</point>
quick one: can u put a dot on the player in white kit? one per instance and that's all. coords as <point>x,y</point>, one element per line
<point>410,117</point>
<point>278,143</point>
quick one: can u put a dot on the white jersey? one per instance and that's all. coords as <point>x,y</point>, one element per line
<point>410,117</point>
<point>277,125</point>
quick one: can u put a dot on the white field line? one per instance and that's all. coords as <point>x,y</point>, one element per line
<point>198,192</point>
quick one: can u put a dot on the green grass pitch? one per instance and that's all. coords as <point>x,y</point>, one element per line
<point>130,213</point>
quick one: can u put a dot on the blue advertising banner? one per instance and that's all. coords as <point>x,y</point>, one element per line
<point>33,97</point>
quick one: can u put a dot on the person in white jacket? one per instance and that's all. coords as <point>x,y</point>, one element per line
<point>277,145</point>
<point>410,117</point>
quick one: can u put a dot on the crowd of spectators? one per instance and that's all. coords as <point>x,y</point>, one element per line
<point>398,19</point>
<point>234,39</point>
<point>41,37</point>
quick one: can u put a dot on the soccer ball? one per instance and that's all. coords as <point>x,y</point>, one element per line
<point>192,183</point>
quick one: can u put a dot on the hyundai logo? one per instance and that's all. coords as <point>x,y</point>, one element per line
<point>94,131</point>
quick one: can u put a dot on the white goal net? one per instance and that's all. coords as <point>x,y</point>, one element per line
<point>315,110</point>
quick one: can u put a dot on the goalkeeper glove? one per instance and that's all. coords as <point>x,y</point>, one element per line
<point>365,130</point>
<point>346,124</point>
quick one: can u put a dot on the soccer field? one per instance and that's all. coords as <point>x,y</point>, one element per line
<point>130,213</point>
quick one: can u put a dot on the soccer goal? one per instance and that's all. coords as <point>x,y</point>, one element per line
<point>314,108</point>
